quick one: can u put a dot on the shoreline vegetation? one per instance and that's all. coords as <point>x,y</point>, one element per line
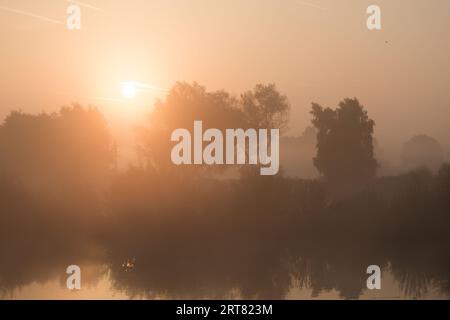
<point>183,232</point>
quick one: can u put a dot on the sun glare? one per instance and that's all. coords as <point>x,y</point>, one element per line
<point>129,90</point>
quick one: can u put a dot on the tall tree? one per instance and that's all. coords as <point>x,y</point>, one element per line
<point>184,104</point>
<point>265,107</point>
<point>345,155</point>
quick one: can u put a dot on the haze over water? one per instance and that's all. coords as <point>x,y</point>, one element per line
<point>91,184</point>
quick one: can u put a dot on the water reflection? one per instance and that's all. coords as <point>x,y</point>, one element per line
<point>255,239</point>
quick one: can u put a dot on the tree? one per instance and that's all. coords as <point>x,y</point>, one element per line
<point>184,104</point>
<point>264,107</point>
<point>345,154</point>
<point>422,151</point>
<point>70,147</point>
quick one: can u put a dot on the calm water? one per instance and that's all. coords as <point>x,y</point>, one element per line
<point>222,245</point>
<point>291,280</point>
<point>103,289</point>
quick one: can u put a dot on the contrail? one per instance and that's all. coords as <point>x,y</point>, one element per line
<point>312,5</point>
<point>82,4</point>
<point>30,14</point>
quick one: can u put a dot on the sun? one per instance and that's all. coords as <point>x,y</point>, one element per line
<point>129,90</point>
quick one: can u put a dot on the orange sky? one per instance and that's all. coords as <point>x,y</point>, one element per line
<point>314,50</point>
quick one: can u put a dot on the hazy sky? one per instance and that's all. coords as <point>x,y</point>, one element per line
<point>314,50</point>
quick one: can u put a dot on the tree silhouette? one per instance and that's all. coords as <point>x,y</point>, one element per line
<point>265,107</point>
<point>345,154</point>
<point>422,151</point>
<point>69,147</point>
<point>184,104</point>
<point>262,107</point>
